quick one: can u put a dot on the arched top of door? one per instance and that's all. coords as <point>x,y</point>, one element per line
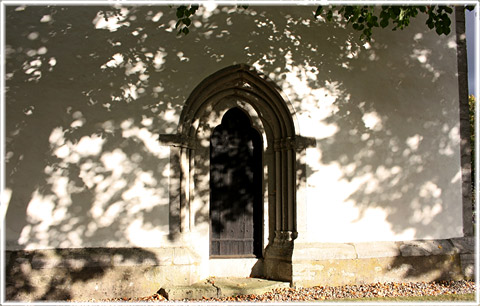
<point>244,83</point>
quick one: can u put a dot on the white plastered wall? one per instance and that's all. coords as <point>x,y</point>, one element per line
<point>386,166</point>
<point>87,96</point>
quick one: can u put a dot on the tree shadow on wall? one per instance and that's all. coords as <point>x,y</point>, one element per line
<point>88,90</point>
<point>51,275</point>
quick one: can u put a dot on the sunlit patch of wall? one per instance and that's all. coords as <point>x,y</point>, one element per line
<point>386,173</point>
<point>124,198</point>
<point>84,165</point>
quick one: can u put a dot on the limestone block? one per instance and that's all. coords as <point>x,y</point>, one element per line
<point>467,262</point>
<point>369,270</point>
<point>441,247</point>
<point>376,249</point>
<point>464,245</point>
<point>323,251</point>
<point>194,291</point>
<point>184,256</point>
<point>96,273</point>
<point>278,269</point>
<point>182,275</point>
<point>7,258</point>
<point>83,258</point>
<point>164,256</point>
<point>62,283</point>
<point>426,247</point>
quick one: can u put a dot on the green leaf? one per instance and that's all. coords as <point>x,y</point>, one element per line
<point>396,10</point>
<point>349,10</point>
<point>368,33</point>
<point>329,15</point>
<point>319,11</point>
<point>430,23</point>
<point>185,31</point>
<point>178,23</point>
<point>187,21</point>
<point>180,11</point>
<point>446,21</point>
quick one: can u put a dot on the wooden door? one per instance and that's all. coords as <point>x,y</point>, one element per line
<point>236,216</point>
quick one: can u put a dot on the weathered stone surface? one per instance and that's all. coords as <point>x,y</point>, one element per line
<point>278,269</point>
<point>194,291</point>
<point>101,257</point>
<point>415,248</point>
<point>222,287</point>
<point>468,265</point>
<point>96,273</point>
<point>108,273</point>
<point>81,284</point>
<point>464,245</point>
<point>184,256</point>
<point>182,275</point>
<point>235,286</point>
<point>427,247</point>
<point>370,270</point>
<point>7,258</point>
<point>441,247</point>
<point>376,249</point>
<point>236,267</point>
<point>323,251</point>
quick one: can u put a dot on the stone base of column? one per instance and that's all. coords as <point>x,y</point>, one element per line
<point>278,257</point>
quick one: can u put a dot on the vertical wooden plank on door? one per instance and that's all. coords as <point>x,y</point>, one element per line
<point>235,187</point>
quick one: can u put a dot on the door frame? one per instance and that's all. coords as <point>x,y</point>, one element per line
<point>283,161</point>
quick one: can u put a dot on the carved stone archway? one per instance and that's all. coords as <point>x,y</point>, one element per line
<point>274,118</point>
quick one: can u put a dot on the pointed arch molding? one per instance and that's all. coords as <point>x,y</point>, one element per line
<point>271,113</point>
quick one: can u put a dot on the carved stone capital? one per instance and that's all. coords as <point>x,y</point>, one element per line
<point>302,142</point>
<point>297,143</point>
<point>285,237</point>
<point>177,140</point>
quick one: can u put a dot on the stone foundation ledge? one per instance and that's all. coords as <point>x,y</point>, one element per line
<point>103,257</point>
<point>358,250</point>
<point>97,273</point>
<point>315,264</point>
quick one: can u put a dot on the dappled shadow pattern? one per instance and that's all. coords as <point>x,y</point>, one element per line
<point>88,90</point>
<point>64,274</point>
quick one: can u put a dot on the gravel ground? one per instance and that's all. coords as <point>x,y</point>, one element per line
<point>321,293</point>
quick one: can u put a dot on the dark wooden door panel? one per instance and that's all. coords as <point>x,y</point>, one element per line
<point>235,187</point>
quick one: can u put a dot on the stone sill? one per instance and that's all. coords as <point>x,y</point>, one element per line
<point>102,257</point>
<point>360,250</point>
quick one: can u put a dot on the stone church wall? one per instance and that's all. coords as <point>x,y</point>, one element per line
<point>90,90</point>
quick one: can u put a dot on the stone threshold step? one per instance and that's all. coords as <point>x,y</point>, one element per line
<point>218,287</point>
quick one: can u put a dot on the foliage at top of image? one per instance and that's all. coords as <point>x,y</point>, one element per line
<point>362,18</point>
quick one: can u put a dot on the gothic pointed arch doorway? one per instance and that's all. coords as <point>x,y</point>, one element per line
<point>282,167</point>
